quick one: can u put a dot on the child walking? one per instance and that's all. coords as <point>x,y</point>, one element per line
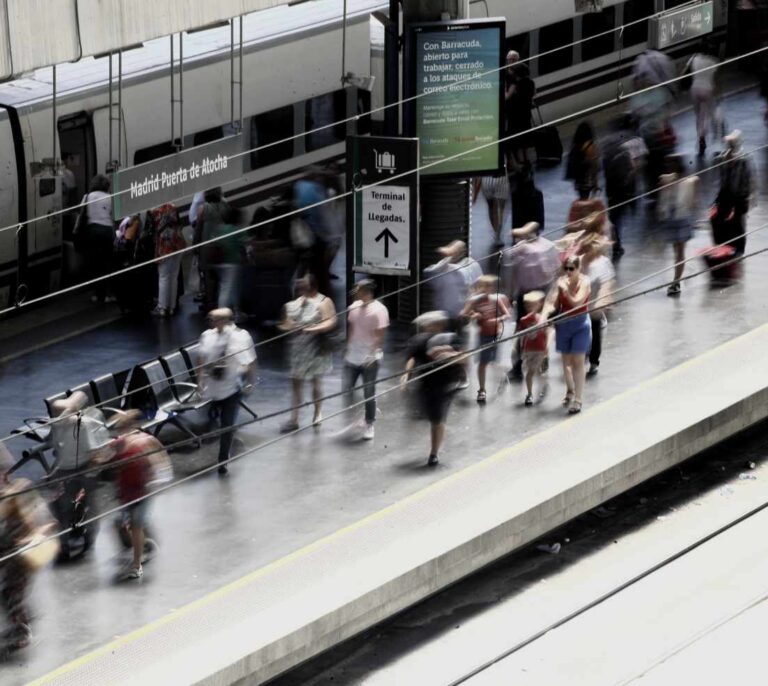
<point>489,309</point>
<point>535,344</point>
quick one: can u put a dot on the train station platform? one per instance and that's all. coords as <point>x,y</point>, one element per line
<point>253,569</point>
<point>253,629</point>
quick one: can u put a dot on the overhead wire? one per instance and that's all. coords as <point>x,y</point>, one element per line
<point>496,253</point>
<point>435,367</point>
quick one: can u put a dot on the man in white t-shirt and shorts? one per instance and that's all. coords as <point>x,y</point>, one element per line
<point>367,323</point>
<point>227,358</point>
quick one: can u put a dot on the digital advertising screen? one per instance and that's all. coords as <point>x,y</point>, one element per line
<point>459,108</point>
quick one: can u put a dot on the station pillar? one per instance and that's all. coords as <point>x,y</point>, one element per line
<point>444,203</point>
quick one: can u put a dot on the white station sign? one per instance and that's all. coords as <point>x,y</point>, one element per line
<point>385,224</point>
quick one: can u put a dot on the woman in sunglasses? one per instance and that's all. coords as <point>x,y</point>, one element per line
<point>569,300</point>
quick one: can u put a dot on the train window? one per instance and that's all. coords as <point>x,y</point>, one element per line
<point>208,136</point>
<point>153,152</point>
<point>556,36</point>
<point>46,187</point>
<point>634,11</point>
<point>270,127</point>
<point>521,43</point>
<point>363,107</point>
<point>593,24</point>
<point>321,111</point>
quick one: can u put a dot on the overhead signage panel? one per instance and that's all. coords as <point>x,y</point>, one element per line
<point>678,26</point>
<point>384,216</point>
<point>455,70</point>
<point>177,176</point>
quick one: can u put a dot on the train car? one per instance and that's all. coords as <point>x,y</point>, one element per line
<point>292,71</point>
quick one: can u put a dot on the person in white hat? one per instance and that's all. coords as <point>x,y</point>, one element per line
<point>534,344</point>
<point>736,194</point>
<point>433,344</point>
<point>228,359</point>
<point>531,264</point>
<point>452,279</point>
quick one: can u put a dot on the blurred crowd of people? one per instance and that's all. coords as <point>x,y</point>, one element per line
<point>538,291</point>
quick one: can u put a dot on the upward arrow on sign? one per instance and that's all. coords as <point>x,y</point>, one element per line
<point>387,235</point>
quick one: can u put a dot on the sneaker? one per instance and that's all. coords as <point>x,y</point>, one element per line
<point>223,471</point>
<point>481,397</point>
<point>593,369</point>
<point>289,426</point>
<point>432,461</point>
<point>368,432</point>
<point>674,289</point>
<point>543,392</point>
<point>528,400</point>
<point>317,420</point>
<point>159,312</point>
<point>131,572</point>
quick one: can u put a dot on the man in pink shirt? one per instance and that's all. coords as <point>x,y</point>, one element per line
<point>367,322</point>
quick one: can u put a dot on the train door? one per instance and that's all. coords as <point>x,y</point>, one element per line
<point>78,154</point>
<point>9,210</point>
<point>45,241</point>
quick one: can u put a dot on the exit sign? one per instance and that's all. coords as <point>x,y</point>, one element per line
<point>678,26</point>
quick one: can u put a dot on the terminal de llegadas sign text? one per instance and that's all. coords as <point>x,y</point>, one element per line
<point>177,176</point>
<point>457,76</point>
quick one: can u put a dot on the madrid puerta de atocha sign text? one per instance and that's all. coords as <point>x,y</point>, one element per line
<point>177,176</point>
<point>383,203</point>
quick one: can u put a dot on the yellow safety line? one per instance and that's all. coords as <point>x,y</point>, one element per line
<point>252,576</point>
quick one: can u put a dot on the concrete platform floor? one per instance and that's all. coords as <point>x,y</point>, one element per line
<point>452,634</point>
<point>278,500</point>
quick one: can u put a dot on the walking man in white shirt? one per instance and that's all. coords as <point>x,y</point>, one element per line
<point>227,358</point>
<point>367,323</point>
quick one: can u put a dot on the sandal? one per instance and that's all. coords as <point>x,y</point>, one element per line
<point>568,399</point>
<point>574,407</point>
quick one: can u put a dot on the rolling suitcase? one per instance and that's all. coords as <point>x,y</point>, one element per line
<point>720,259</point>
<point>546,140</point>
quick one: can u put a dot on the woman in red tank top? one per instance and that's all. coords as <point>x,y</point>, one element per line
<point>569,298</point>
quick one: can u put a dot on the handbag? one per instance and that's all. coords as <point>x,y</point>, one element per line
<point>302,237</point>
<point>161,469</point>
<point>332,341</point>
<point>39,552</point>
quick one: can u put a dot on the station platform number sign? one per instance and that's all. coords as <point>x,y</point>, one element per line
<point>678,26</point>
